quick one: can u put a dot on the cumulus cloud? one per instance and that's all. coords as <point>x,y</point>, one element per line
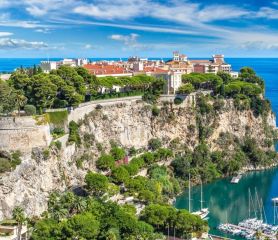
<point>130,41</point>
<point>8,43</point>
<point>5,34</point>
<point>89,46</point>
<point>268,12</point>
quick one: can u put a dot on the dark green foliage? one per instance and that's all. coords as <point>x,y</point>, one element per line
<point>105,162</point>
<point>30,110</point>
<point>117,153</point>
<point>186,88</point>
<point>132,151</point>
<point>58,132</point>
<point>184,223</point>
<point>178,101</point>
<point>74,136</point>
<point>58,145</point>
<point>96,219</point>
<point>203,80</point>
<point>120,174</point>
<point>8,162</point>
<point>96,183</point>
<point>154,144</point>
<point>155,111</point>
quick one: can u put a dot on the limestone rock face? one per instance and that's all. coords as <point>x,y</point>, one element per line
<point>130,124</point>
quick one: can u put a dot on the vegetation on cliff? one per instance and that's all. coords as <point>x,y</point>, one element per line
<point>65,87</point>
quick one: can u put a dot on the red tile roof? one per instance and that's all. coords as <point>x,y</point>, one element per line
<point>155,70</point>
<point>104,69</point>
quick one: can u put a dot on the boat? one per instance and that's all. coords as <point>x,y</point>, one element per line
<point>236,179</point>
<point>203,212</point>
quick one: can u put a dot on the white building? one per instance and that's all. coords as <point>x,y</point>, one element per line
<point>234,74</point>
<point>47,66</point>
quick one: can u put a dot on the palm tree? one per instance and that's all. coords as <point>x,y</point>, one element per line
<point>20,101</point>
<point>19,217</point>
<point>79,205</point>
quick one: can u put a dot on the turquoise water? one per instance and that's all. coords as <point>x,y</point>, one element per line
<point>229,202</point>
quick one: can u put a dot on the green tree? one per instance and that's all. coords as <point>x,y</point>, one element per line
<point>96,183</point>
<point>105,162</point>
<point>120,175</point>
<point>186,88</point>
<point>19,217</point>
<point>83,226</point>
<point>117,153</point>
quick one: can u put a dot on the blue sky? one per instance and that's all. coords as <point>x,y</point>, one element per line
<point>148,28</point>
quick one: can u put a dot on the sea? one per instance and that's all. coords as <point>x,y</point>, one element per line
<point>226,202</point>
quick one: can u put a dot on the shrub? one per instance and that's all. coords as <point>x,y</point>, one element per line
<point>30,110</point>
<point>105,162</point>
<point>46,153</point>
<point>154,144</point>
<point>96,183</point>
<point>73,133</point>
<point>117,153</point>
<point>120,175</point>
<point>155,111</point>
<point>186,88</point>
<point>5,165</point>
<point>178,101</point>
<point>58,132</point>
<point>58,144</point>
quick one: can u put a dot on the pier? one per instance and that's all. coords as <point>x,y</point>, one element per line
<point>250,228</point>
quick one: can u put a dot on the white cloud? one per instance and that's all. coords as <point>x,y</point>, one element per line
<point>130,41</point>
<point>5,34</point>
<point>8,43</point>
<point>267,12</point>
<point>89,46</point>
<point>42,30</point>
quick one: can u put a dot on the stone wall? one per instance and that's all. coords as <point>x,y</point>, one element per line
<point>23,133</point>
<point>85,108</point>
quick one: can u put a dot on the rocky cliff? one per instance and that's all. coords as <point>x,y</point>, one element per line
<point>131,124</point>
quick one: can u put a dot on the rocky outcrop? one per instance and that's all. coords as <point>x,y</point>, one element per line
<point>130,123</point>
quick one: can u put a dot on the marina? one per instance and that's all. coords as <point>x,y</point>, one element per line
<point>250,229</point>
<point>253,197</point>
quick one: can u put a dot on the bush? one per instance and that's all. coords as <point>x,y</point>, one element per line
<point>58,144</point>
<point>154,144</point>
<point>73,133</point>
<point>96,183</point>
<point>5,165</point>
<point>178,101</point>
<point>155,111</point>
<point>105,162</point>
<point>30,110</point>
<point>58,132</point>
<point>186,88</point>
<point>120,175</point>
<point>117,153</point>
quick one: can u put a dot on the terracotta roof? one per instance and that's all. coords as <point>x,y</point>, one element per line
<point>155,70</point>
<point>200,61</point>
<point>104,69</point>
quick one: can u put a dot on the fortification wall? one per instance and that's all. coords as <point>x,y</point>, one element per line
<point>23,133</point>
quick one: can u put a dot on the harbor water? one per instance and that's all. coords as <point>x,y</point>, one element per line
<point>229,202</point>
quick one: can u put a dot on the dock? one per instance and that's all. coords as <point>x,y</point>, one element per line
<point>236,179</point>
<point>250,228</point>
